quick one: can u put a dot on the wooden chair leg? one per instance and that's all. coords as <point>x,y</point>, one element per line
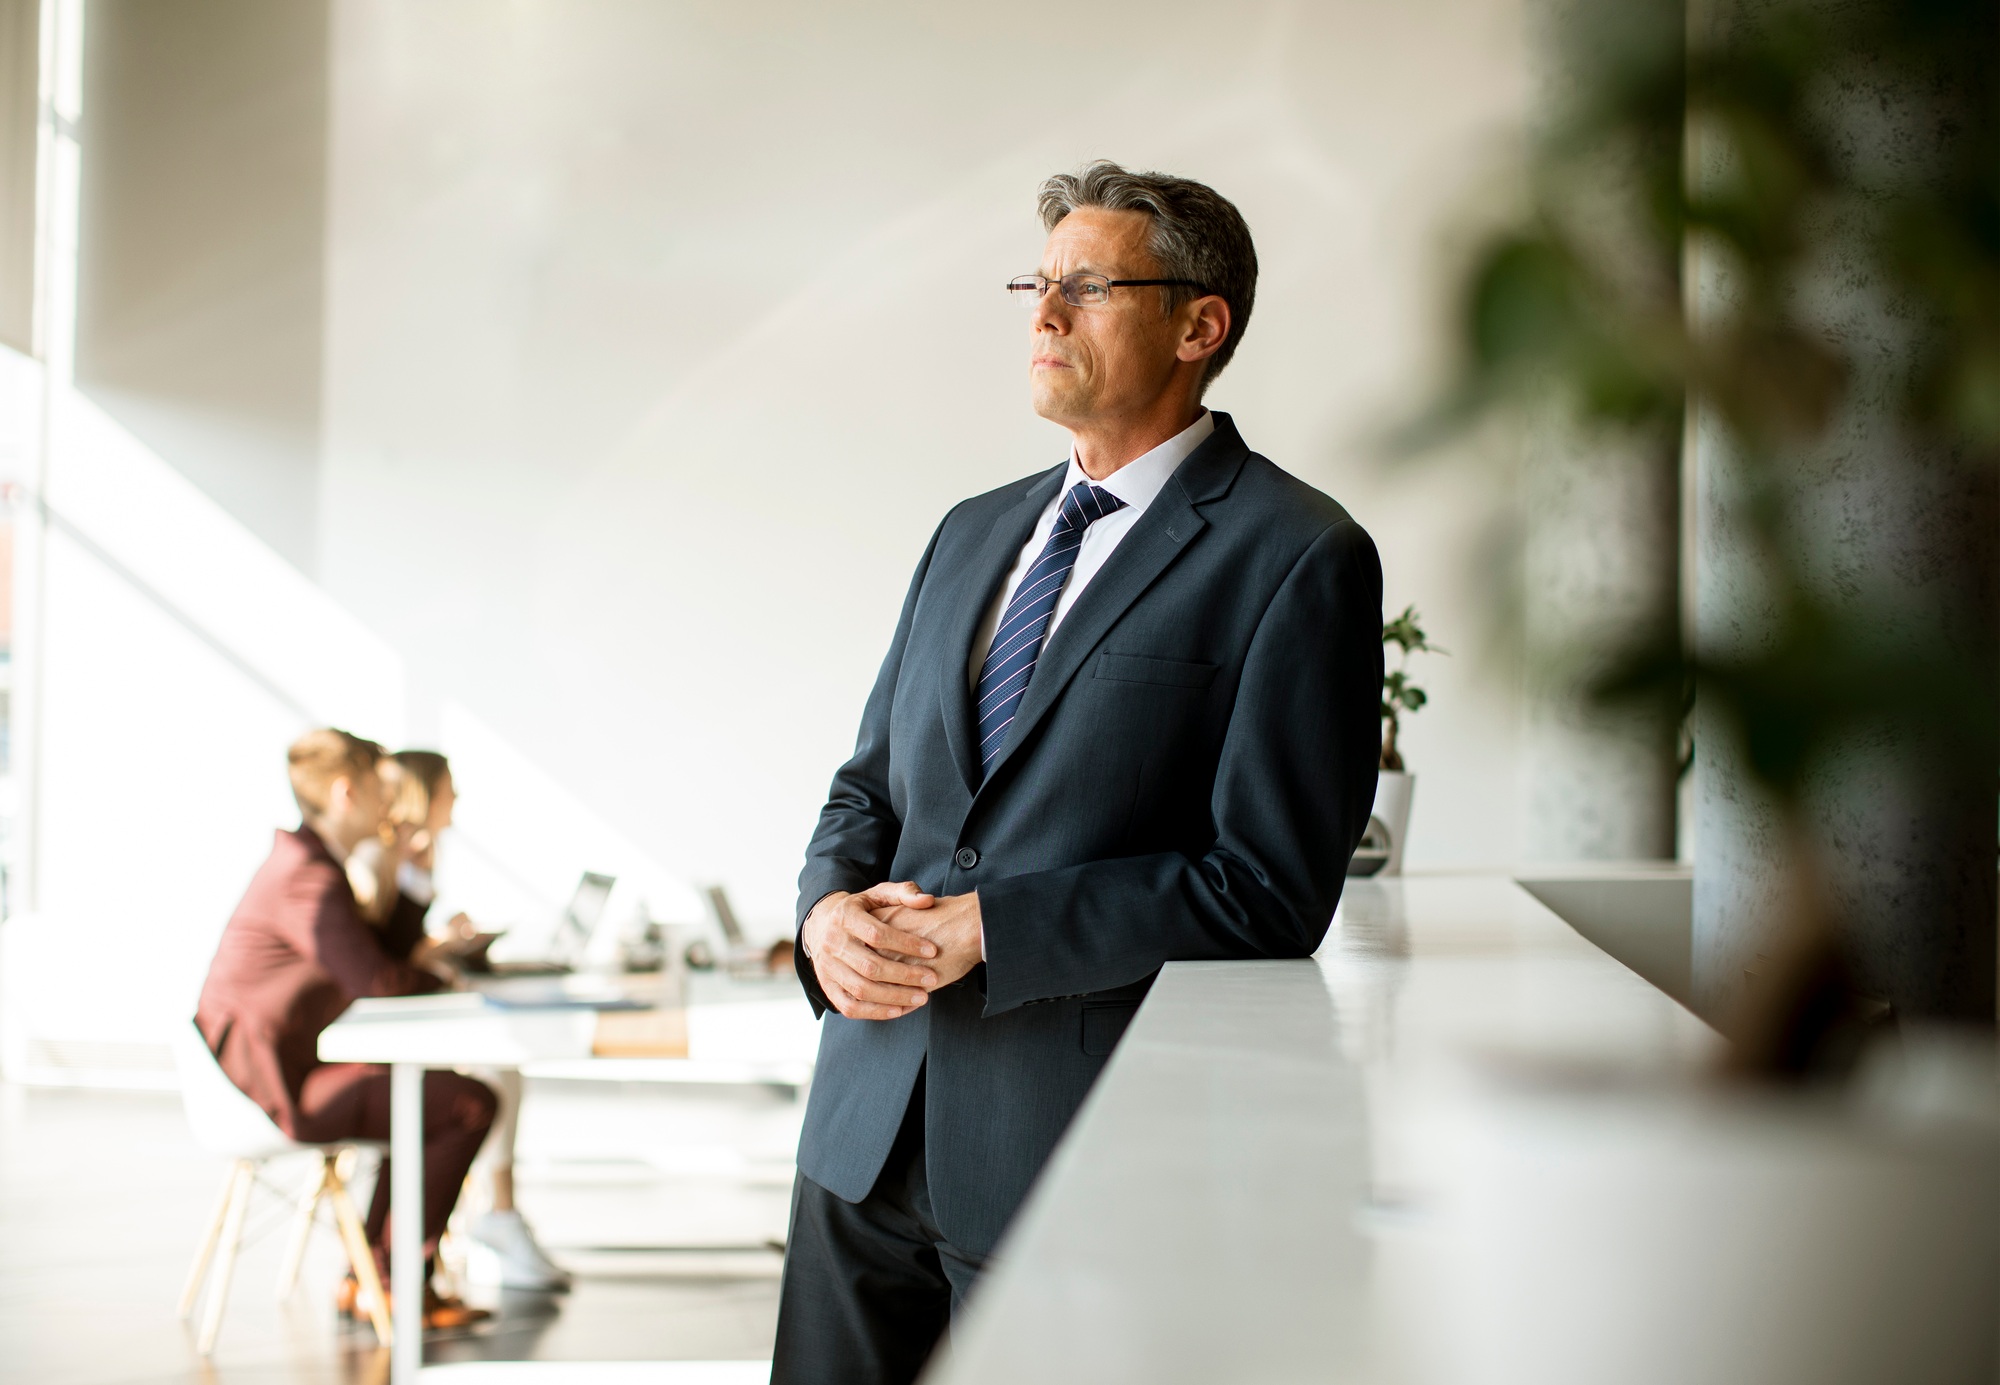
<point>192,1291</point>
<point>225,1265</point>
<point>302,1226</point>
<point>355,1237</point>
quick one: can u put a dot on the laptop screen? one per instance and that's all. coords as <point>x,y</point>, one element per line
<point>586,905</point>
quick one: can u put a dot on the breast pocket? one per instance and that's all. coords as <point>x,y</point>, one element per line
<point>1103,1026</point>
<point>1143,668</point>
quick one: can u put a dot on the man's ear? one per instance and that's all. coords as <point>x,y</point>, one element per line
<point>339,797</point>
<point>1207,330</point>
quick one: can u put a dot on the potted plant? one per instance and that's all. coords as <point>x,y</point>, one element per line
<point>1381,847</point>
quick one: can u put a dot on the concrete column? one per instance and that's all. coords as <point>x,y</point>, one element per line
<point>1602,529</point>
<point>1901,535</point>
<point>1603,544</point>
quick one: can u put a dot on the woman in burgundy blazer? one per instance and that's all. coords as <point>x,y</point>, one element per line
<point>297,953</point>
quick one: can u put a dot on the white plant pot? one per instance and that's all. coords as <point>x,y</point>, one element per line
<point>1393,788</point>
<point>1601,1235</point>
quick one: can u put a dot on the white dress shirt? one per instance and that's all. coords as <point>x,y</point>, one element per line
<point>1136,483</point>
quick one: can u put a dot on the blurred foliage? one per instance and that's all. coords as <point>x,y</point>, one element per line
<point>1764,151</point>
<point>1399,694</point>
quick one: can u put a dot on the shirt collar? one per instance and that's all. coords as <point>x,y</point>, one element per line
<point>1141,479</point>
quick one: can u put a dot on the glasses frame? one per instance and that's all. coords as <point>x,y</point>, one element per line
<point>1042,282</point>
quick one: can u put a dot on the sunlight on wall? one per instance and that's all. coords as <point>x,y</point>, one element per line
<point>181,656</point>
<point>521,840</point>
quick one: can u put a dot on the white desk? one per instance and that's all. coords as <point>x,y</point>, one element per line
<point>1216,1211</point>
<point>727,1043</point>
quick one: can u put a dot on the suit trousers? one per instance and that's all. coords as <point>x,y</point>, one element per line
<point>870,1287</point>
<point>350,1101</point>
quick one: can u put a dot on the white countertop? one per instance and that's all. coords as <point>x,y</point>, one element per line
<point>1229,1202</point>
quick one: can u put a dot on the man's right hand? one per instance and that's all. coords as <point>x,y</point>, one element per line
<point>869,970</point>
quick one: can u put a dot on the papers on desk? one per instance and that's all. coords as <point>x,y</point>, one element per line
<point>576,992</point>
<point>446,1005</point>
<point>511,993</point>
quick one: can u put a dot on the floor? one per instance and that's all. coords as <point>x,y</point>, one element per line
<point>665,1202</point>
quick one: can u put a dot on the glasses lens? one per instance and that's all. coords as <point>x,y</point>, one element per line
<point>1026,288</point>
<point>1085,290</point>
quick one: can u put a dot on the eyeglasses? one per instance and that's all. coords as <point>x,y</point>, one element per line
<point>1086,290</point>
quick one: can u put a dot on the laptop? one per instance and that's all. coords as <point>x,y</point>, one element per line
<point>741,957</point>
<point>574,931</point>
<point>725,916</point>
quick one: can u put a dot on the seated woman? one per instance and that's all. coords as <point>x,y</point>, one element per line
<point>295,954</point>
<point>421,812</point>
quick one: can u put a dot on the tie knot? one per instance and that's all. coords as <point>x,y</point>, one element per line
<point>1085,505</point>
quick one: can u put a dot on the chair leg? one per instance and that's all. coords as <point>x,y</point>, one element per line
<point>444,1276</point>
<point>355,1237</point>
<point>225,1265</point>
<point>199,1268</point>
<point>302,1225</point>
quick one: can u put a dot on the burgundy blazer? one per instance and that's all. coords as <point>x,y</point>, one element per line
<point>296,954</point>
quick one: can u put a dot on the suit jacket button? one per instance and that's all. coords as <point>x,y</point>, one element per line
<point>967,858</point>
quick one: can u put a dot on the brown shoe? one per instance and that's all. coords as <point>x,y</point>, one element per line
<point>442,1314</point>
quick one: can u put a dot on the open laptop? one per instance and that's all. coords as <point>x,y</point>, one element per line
<point>741,957</point>
<point>725,916</point>
<point>566,948</point>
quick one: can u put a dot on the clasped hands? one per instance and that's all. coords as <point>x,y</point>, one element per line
<point>879,953</point>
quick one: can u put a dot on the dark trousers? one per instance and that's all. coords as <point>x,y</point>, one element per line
<point>870,1287</point>
<point>348,1101</point>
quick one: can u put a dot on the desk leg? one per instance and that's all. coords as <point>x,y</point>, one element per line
<point>406,1235</point>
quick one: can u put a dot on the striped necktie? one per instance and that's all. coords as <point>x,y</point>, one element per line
<point>1017,642</point>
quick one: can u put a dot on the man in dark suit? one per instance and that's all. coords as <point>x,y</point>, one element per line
<point>295,955</point>
<point>1129,716</point>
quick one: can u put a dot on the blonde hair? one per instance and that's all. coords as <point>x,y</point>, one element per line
<point>318,758</point>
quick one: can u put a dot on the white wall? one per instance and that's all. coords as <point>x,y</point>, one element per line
<point>660,337</point>
<point>655,339</point>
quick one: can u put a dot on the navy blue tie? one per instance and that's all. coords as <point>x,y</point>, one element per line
<point>1017,642</point>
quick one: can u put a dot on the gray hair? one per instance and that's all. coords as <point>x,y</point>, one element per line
<point>1197,234</point>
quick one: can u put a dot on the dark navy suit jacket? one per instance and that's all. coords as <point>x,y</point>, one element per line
<point>1188,774</point>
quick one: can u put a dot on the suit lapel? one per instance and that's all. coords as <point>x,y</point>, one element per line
<point>978,582</point>
<point>1161,536</point>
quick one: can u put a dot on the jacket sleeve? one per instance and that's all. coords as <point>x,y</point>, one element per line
<point>1293,791</point>
<point>855,843</point>
<point>320,921</point>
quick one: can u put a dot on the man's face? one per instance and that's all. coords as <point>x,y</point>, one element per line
<point>1097,363</point>
<point>366,802</point>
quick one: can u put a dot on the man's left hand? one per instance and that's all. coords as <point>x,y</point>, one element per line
<point>953,924</point>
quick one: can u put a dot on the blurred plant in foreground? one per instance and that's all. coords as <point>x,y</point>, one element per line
<point>1770,231</point>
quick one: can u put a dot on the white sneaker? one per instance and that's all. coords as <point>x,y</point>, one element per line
<point>504,1253</point>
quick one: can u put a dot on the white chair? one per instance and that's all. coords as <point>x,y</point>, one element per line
<point>227,1122</point>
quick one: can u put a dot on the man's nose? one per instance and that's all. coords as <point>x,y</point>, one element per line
<point>1051,313</point>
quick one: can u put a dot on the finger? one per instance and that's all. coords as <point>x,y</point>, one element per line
<point>887,970</point>
<point>874,992</point>
<point>882,936</point>
<point>861,1010</point>
<point>904,892</point>
<point>875,969</point>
